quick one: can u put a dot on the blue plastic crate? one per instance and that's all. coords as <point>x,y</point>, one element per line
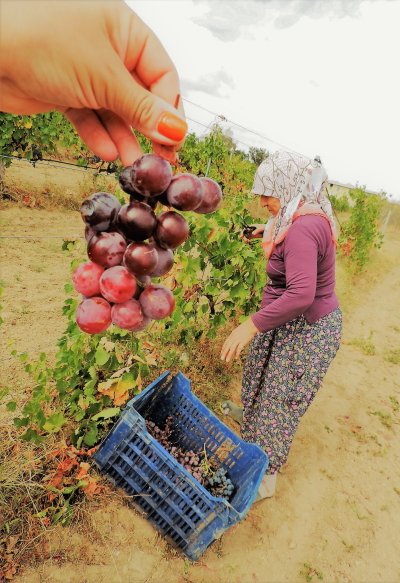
<point>177,505</point>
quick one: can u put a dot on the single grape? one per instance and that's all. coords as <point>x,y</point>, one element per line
<point>127,315</point>
<point>86,278</point>
<point>157,302</point>
<point>165,261</point>
<point>185,192</point>
<point>100,211</point>
<point>136,221</point>
<point>152,201</point>
<point>89,233</point>
<point>106,249</point>
<point>171,230</point>
<point>117,284</point>
<point>142,326</point>
<point>151,175</point>
<point>212,196</point>
<point>93,315</point>
<point>125,181</point>
<point>141,258</point>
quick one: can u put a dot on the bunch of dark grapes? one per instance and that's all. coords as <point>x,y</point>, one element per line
<point>220,484</point>
<point>130,245</point>
<point>197,464</point>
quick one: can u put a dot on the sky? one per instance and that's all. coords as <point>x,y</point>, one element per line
<point>313,76</point>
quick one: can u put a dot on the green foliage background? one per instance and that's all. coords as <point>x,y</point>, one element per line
<point>217,281</point>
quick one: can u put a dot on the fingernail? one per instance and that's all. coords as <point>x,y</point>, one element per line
<point>172,127</point>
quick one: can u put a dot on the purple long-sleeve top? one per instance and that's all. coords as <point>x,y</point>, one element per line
<point>301,272</point>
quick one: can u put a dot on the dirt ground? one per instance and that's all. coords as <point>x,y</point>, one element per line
<point>336,513</point>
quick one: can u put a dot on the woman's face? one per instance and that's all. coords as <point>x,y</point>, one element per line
<point>273,204</point>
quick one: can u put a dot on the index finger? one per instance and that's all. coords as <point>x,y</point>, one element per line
<point>152,67</point>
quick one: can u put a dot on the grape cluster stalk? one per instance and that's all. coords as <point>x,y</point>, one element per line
<point>129,245</point>
<point>213,479</point>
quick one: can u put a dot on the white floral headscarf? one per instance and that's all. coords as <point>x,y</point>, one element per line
<point>299,184</point>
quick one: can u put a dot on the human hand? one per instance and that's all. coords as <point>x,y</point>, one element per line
<point>98,63</point>
<point>238,339</point>
<point>256,234</point>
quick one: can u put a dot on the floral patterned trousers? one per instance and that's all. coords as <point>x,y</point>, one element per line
<point>283,373</point>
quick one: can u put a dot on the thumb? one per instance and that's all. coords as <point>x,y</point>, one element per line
<point>147,113</point>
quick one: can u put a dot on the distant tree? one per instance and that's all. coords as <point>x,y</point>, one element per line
<point>258,155</point>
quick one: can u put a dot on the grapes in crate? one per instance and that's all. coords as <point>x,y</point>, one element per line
<point>130,245</point>
<point>212,478</point>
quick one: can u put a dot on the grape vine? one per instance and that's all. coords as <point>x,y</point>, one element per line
<point>361,233</point>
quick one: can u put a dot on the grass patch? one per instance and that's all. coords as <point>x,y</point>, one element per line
<point>310,573</point>
<point>348,547</point>
<point>364,343</point>
<point>385,418</point>
<point>39,268</point>
<point>395,403</point>
<point>392,356</point>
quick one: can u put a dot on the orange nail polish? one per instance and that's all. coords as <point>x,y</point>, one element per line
<point>172,127</point>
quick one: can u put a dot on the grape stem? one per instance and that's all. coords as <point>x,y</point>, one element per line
<point>203,247</point>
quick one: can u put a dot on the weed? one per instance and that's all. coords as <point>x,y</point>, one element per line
<point>395,403</point>
<point>231,568</point>
<point>38,268</point>
<point>385,418</point>
<point>365,344</point>
<point>17,277</point>
<point>395,328</point>
<point>348,547</point>
<point>374,438</point>
<point>53,246</point>
<point>386,507</point>
<point>3,283</point>
<point>310,572</point>
<point>392,356</point>
<point>396,490</point>
<point>329,476</point>
<point>353,506</point>
<point>329,430</point>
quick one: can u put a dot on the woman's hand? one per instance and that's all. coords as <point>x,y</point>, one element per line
<point>238,339</point>
<point>256,234</point>
<point>98,63</point>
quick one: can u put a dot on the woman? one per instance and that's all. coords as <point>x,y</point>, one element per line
<point>296,333</point>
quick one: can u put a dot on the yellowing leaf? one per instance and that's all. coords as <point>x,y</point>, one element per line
<point>120,372</point>
<point>139,382</point>
<point>150,359</point>
<point>118,390</point>
<point>82,403</point>
<point>118,355</point>
<point>136,357</point>
<point>107,345</point>
<point>105,386</point>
